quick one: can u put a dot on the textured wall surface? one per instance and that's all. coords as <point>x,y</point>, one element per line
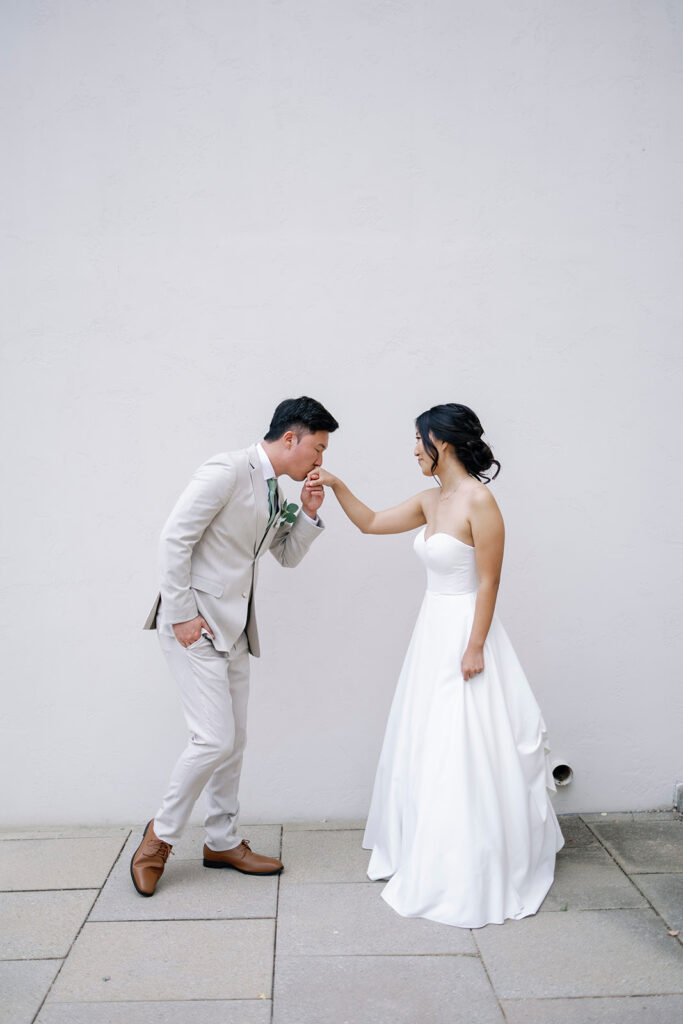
<point>208,206</point>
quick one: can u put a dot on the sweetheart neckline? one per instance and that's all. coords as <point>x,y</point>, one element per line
<point>441,533</point>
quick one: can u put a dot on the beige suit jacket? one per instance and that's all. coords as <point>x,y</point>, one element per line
<point>211,544</point>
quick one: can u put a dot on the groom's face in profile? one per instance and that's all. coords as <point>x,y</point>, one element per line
<point>306,453</point>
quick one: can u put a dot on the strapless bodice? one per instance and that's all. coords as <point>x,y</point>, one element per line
<point>450,563</point>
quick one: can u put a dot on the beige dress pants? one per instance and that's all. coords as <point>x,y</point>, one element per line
<point>214,690</point>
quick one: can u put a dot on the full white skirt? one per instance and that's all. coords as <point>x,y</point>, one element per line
<point>461,820</point>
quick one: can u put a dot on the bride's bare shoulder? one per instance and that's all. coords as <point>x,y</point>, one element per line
<point>480,497</point>
<point>428,497</point>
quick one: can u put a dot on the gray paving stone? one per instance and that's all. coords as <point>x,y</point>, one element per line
<point>163,961</point>
<point>623,1010</point>
<point>264,839</point>
<point>586,953</point>
<point>669,814</point>
<point>235,1011</point>
<point>576,832</point>
<point>41,925</point>
<point>316,856</point>
<point>383,990</point>
<point>586,878</point>
<point>23,986</point>
<point>644,846</point>
<point>57,863</point>
<point>66,832</point>
<point>324,825</point>
<point>665,893</point>
<point>186,891</point>
<point>336,920</point>
<point>611,816</point>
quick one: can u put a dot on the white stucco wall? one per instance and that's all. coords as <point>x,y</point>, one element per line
<point>210,206</point>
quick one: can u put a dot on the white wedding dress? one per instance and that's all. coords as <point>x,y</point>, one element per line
<point>461,820</point>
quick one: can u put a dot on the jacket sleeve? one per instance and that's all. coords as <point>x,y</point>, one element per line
<point>209,490</point>
<point>290,543</point>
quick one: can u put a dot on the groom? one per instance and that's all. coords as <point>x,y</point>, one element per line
<point>230,513</point>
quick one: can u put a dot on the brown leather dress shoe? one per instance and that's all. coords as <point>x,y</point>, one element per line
<point>148,861</point>
<point>242,858</point>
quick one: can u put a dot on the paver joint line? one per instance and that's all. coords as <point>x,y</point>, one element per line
<point>488,975</point>
<point>70,888</point>
<point>277,908</point>
<point>181,920</point>
<point>578,999</point>
<point>378,956</point>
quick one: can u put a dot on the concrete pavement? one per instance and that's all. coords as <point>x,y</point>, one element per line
<point>318,944</point>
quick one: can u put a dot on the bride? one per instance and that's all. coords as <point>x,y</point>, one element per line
<point>460,820</point>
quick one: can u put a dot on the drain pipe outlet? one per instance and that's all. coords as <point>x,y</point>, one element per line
<point>562,773</point>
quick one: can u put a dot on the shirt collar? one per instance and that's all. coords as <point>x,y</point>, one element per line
<point>266,465</point>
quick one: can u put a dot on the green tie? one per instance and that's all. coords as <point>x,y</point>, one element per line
<point>272,498</point>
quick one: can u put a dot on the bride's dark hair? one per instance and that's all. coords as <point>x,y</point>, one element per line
<point>460,427</point>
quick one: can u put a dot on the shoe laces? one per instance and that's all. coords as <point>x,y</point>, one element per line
<point>162,849</point>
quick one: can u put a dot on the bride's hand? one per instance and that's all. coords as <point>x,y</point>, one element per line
<point>472,662</point>
<point>321,478</point>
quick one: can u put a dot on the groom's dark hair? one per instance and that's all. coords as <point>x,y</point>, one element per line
<point>302,415</point>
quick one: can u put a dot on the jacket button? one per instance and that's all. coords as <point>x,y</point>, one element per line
<point>244,594</point>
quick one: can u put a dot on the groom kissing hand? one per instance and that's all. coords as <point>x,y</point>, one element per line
<point>312,495</point>
<point>231,512</point>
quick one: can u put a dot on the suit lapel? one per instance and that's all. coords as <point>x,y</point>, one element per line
<point>260,497</point>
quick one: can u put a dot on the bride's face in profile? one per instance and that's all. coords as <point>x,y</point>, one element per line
<point>423,459</point>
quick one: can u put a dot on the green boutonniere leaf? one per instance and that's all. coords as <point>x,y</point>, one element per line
<point>288,512</point>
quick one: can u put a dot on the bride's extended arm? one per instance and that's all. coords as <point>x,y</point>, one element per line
<point>398,519</point>
<point>488,533</point>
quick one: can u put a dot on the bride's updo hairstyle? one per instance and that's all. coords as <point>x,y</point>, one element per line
<point>459,427</point>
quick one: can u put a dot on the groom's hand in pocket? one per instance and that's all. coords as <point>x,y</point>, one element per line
<point>187,633</point>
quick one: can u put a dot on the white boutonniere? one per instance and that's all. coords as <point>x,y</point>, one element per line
<point>288,513</point>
